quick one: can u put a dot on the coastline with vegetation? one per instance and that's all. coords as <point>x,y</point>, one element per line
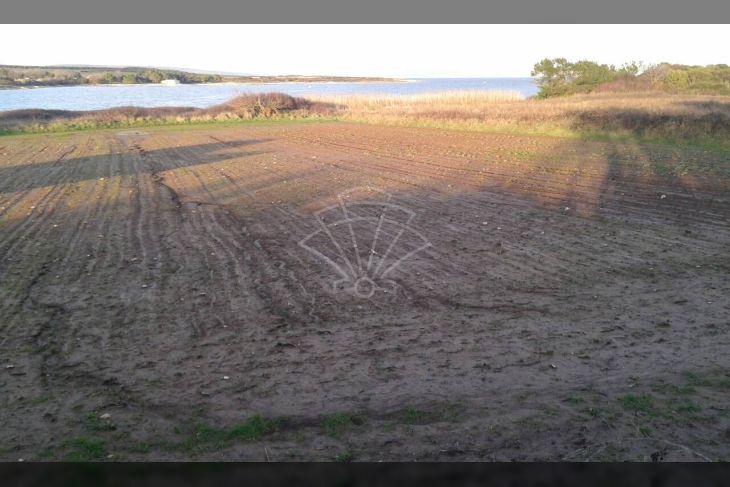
<point>581,99</point>
<point>14,77</point>
<point>434,272</point>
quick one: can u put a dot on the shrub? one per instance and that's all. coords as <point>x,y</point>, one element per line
<point>557,77</point>
<point>269,105</point>
<point>129,79</point>
<point>677,80</point>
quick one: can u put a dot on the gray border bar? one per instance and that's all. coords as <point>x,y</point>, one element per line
<point>365,11</point>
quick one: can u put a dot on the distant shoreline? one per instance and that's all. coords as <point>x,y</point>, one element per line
<point>216,83</point>
<point>150,96</point>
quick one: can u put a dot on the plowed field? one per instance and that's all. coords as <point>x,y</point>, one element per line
<point>544,298</point>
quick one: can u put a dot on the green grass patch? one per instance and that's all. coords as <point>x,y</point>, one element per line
<point>336,424</point>
<point>685,407</point>
<point>675,390</point>
<point>344,457</point>
<point>714,144</point>
<point>718,379</point>
<point>449,412</point>
<point>643,404</point>
<point>207,438</point>
<point>71,128</point>
<point>38,400</point>
<point>574,400</point>
<point>522,154</point>
<point>96,424</point>
<point>252,430</point>
<point>84,450</point>
<point>677,406</point>
<point>45,455</point>
<point>140,448</point>
<point>413,416</point>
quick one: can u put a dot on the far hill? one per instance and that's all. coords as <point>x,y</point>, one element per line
<point>20,76</point>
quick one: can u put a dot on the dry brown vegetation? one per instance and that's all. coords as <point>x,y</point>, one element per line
<point>244,107</point>
<point>646,116</point>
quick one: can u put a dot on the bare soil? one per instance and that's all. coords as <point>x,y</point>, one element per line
<point>156,303</point>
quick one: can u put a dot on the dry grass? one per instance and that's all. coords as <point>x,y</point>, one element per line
<point>645,116</point>
<point>456,100</point>
<point>699,118</point>
<point>433,109</point>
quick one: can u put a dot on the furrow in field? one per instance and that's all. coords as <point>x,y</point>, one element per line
<point>527,184</point>
<point>53,193</point>
<point>590,249</point>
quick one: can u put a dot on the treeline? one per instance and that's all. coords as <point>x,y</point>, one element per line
<point>155,76</point>
<point>20,76</point>
<point>559,77</point>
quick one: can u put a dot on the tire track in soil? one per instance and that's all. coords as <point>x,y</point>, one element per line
<point>279,305</point>
<point>45,205</point>
<point>589,246</point>
<point>33,230</point>
<point>211,220</point>
<point>193,226</point>
<point>52,320</point>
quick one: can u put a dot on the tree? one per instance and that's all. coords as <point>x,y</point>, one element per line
<point>552,76</point>
<point>129,79</point>
<point>109,78</point>
<point>677,80</point>
<point>153,76</point>
<point>557,77</point>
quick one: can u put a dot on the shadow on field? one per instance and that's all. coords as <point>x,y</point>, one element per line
<point>74,170</point>
<point>687,119</point>
<point>537,286</point>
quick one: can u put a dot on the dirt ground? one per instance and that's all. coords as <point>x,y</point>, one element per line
<point>196,293</point>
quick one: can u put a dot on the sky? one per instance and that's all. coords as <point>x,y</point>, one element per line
<point>402,51</point>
